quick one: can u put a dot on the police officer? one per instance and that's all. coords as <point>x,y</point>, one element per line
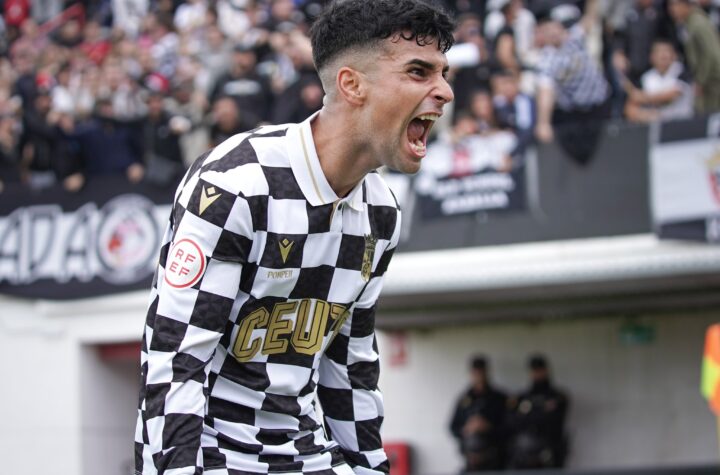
<point>477,422</point>
<point>536,422</point>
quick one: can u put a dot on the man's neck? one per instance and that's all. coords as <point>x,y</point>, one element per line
<point>343,159</point>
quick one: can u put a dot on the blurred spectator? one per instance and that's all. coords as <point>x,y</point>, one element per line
<point>122,90</point>
<point>69,34</point>
<point>233,17</point>
<point>504,47</point>
<point>634,40</point>
<point>303,95</point>
<point>160,37</point>
<point>190,15</point>
<point>251,91</point>
<point>9,158</point>
<point>474,143</point>
<point>128,15</point>
<point>282,14</point>
<point>523,28</point>
<point>461,7</point>
<point>43,149</point>
<point>712,8</point>
<point>702,51</point>
<point>227,120</point>
<point>572,96</point>
<point>665,92</point>
<point>161,133</point>
<point>94,46</point>
<point>468,60</point>
<point>109,146</point>
<point>536,422</point>
<point>188,103</point>
<point>24,87</point>
<point>514,111</point>
<point>477,422</point>
<point>214,51</point>
<point>44,10</point>
<point>15,12</point>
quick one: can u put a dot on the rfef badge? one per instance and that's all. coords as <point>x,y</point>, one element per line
<point>368,255</point>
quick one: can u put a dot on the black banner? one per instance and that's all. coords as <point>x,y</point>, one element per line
<point>101,240</point>
<point>488,190</point>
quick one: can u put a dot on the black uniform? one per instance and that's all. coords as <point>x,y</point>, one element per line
<point>536,422</point>
<point>483,449</point>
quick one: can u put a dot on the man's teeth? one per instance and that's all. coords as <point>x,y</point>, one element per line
<point>431,117</point>
<point>418,146</point>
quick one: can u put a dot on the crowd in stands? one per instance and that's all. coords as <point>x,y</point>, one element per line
<point>142,87</point>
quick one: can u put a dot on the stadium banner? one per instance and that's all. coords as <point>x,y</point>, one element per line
<point>685,174</point>
<point>103,239</point>
<point>487,190</point>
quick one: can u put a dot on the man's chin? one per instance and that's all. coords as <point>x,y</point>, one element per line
<point>408,168</point>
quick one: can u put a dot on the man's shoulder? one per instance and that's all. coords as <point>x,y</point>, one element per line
<point>238,165</point>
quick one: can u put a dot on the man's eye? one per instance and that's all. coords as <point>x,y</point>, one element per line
<point>417,72</point>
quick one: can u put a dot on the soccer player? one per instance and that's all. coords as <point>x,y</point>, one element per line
<point>273,261</point>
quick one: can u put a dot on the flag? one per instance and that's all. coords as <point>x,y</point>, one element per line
<point>710,385</point>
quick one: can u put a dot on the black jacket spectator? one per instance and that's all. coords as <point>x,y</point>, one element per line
<point>251,91</point>
<point>108,146</point>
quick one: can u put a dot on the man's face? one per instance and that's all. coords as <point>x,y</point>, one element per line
<point>662,56</point>
<point>679,10</point>
<point>406,93</point>
<point>505,86</point>
<point>549,33</point>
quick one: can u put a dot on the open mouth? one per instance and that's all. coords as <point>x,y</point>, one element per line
<point>418,131</point>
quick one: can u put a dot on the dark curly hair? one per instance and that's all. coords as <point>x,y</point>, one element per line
<point>347,24</point>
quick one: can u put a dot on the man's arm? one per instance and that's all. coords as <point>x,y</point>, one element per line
<point>348,384</point>
<point>590,17</point>
<point>545,107</point>
<point>198,279</point>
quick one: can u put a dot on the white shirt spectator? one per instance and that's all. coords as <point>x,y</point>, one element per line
<point>128,15</point>
<point>654,82</point>
<point>190,15</point>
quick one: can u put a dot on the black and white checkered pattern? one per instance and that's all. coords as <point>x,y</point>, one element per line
<point>282,311</point>
<point>577,80</point>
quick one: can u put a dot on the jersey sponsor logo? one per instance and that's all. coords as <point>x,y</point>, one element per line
<point>368,255</point>
<point>208,196</point>
<point>280,274</point>
<point>185,264</point>
<point>285,247</point>
<point>301,324</point>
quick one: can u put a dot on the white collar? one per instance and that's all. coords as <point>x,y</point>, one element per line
<point>306,167</point>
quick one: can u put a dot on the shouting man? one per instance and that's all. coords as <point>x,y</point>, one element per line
<point>273,261</point>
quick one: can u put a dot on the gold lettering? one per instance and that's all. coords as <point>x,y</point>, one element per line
<point>278,327</point>
<point>244,350</point>
<point>338,313</point>
<point>310,342</point>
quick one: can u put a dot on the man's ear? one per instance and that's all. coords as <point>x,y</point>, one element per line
<point>351,85</point>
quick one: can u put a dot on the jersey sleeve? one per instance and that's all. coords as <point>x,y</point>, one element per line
<point>348,383</point>
<point>197,279</point>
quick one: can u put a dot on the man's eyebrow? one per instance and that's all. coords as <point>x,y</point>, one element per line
<point>426,64</point>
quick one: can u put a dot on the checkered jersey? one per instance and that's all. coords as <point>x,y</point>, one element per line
<point>264,297</point>
<point>577,80</point>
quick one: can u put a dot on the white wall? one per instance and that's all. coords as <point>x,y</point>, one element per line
<point>63,409</point>
<point>109,395</point>
<point>51,402</point>
<point>631,405</point>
